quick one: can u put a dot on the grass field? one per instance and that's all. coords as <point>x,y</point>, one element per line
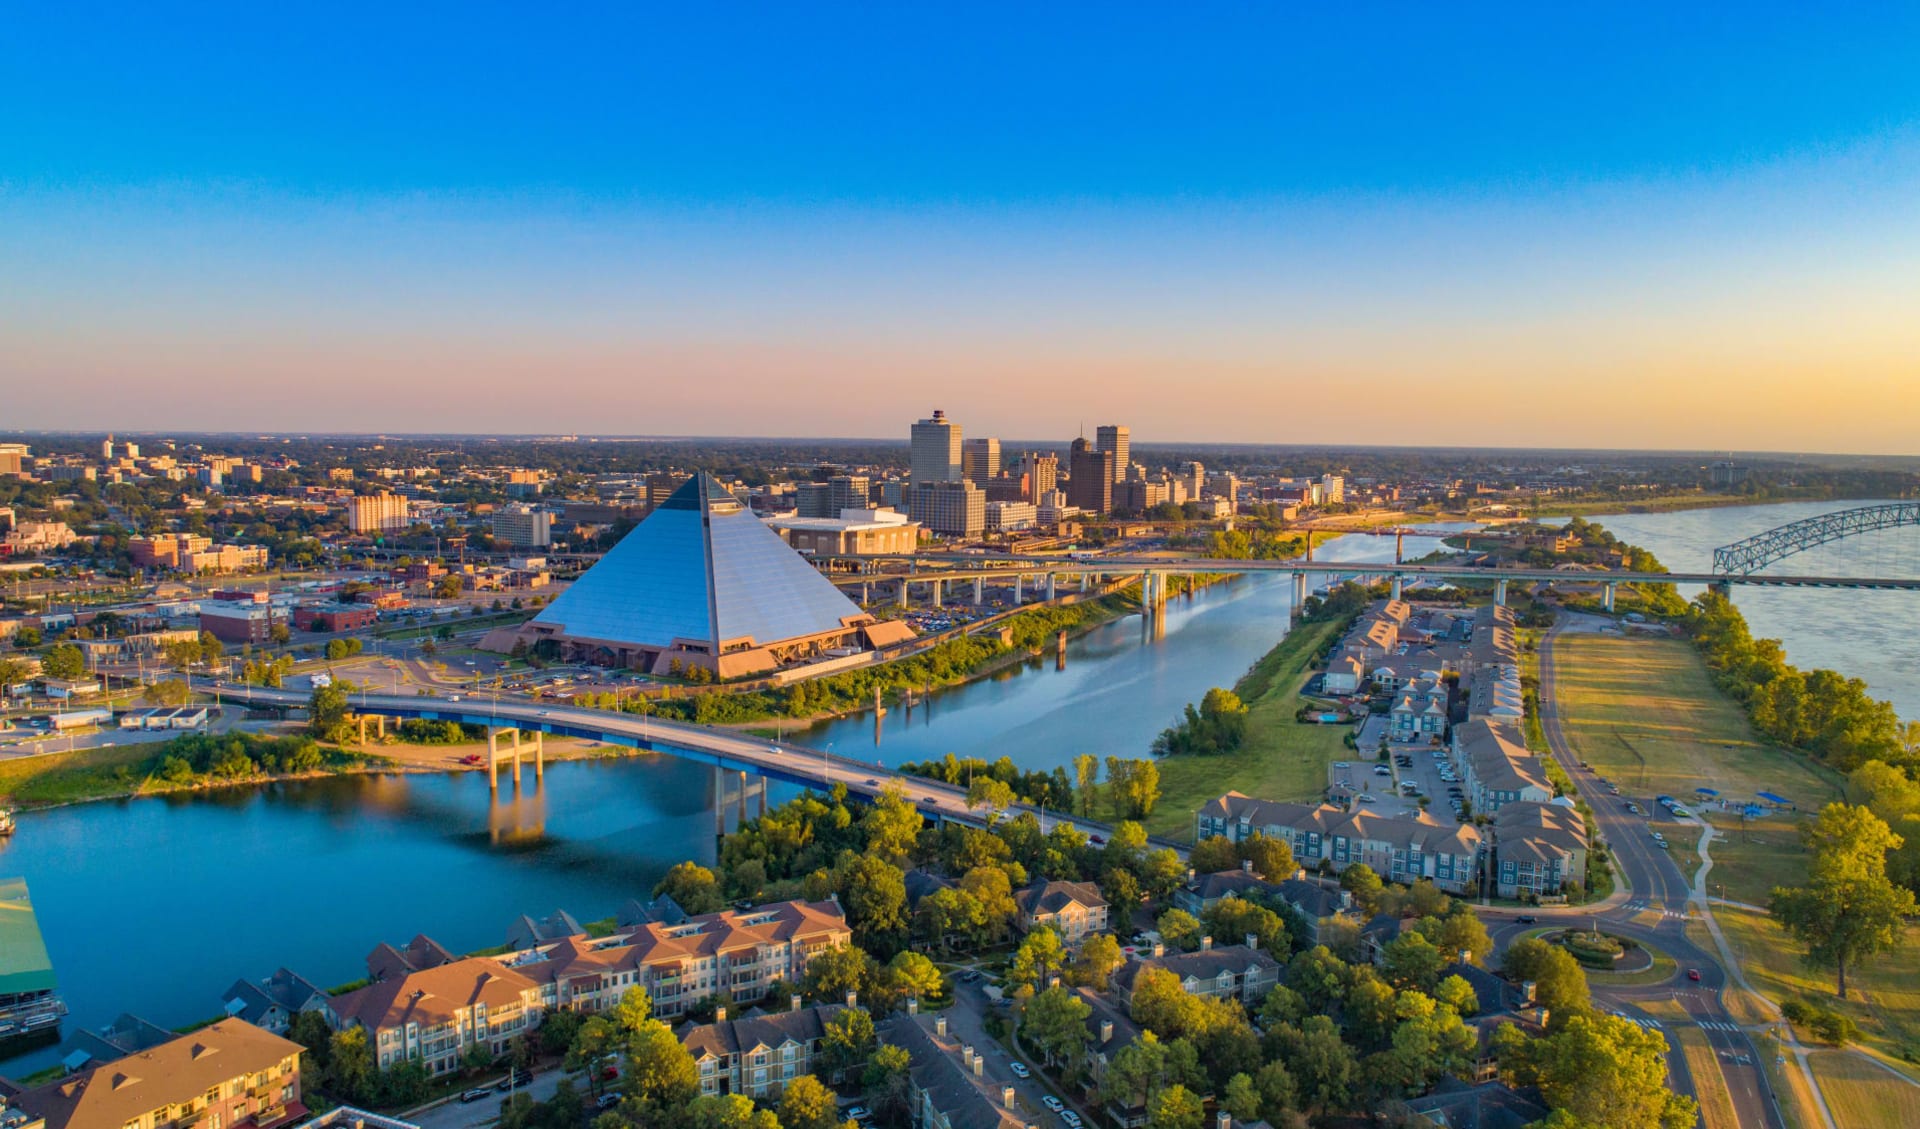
<point>1883,997</point>
<point>59,778</point>
<point>1281,759</point>
<point>1709,1085</point>
<point>1644,713</point>
<point>1862,1095</point>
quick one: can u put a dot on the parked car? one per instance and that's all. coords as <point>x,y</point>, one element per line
<point>1019,1070</point>
<point>1052,1103</point>
<point>607,1101</point>
<point>477,1094</point>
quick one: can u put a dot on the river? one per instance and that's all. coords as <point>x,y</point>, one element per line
<point>1869,635</point>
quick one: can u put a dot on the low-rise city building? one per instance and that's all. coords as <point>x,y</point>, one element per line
<point>1398,848</point>
<point>1074,910</point>
<point>758,1054</point>
<point>1242,972</point>
<point>435,1014</point>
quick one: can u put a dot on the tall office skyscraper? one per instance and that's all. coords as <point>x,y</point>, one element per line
<point>936,450</point>
<point>1043,475</point>
<point>979,460</point>
<point>1118,439</point>
<point>1090,485</point>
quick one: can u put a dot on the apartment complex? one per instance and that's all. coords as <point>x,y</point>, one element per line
<point>230,1073</point>
<point>1398,848</point>
<point>1230,972</point>
<point>741,953</point>
<point>758,1055</point>
<point>1495,766</point>
<point>1539,849</point>
<point>434,1014</point>
<point>1074,910</point>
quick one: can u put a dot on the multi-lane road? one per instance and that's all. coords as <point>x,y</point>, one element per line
<point>1655,908</point>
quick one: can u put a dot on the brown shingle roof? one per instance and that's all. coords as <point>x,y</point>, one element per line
<point>178,1071</point>
<point>431,997</point>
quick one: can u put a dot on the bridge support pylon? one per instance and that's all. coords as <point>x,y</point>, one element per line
<point>1017,578</point>
<point>1400,549</point>
<point>1396,588</point>
<point>939,593</point>
<point>1606,597</point>
<point>1086,578</point>
<point>979,591</point>
<point>1500,593</point>
<point>1050,589</point>
<point>903,591</point>
<point>1299,593</point>
<point>496,756</point>
<point>1724,589</point>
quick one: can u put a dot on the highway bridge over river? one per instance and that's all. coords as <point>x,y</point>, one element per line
<point>726,751</point>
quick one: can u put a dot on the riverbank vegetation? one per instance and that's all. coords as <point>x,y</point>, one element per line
<point>946,663</point>
<point>1275,756</point>
<point>1820,712</point>
<point>193,760</point>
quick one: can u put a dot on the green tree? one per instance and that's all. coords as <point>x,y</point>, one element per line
<point>327,710</point>
<point>167,692</point>
<point>1242,1098</point>
<point>1086,776</point>
<point>1178,929</point>
<point>63,661</point>
<point>1559,983</point>
<point>632,1011</point>
<point>1603,1071</point>
<point>834,972</point>
<point>350,1069</point>
<point>1175,1108</point>
<point>1054,1023</point>
<point>1039,956</point>
<point>27,637</point>
<point>729,1111</point>
<point>1232,920</point>
<point>1321,1063</point>
<point>892,824</point>
<point>692,886</point>
<point>875,893</point>
<point>1847,912</point>
<point>659,1071</point>
<point>987,792</point>
<point>1411,962</point>
<point>593,1045</point>
<point>1363,885</point>
<point>912,974</point>
<point>12,673</point>
<point>1272,859</point>
<point>1099,956</point>
<point>1212,855</point>
<point>848,1040</point>
<point>806,1104</point>
<point>279,634</point>
<point>1457,994</point>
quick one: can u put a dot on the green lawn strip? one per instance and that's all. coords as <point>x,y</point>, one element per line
<point>1281,758</point>
<point>1863,1096</point>
<point>1644,713</point>
<point>1883,997</point>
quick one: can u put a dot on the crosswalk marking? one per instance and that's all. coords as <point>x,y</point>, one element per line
<point>1719,1025</point>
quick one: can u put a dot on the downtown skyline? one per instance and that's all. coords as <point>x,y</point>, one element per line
<point>1260,231</point>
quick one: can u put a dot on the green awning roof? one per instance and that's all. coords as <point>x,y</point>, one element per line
<point>24,965</point>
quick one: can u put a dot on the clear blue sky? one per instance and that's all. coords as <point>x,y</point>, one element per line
<point>1056,202</point>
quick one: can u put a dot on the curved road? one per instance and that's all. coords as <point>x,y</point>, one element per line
<point>1655,910</point>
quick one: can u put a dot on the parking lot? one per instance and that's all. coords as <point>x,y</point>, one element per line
<point>1381,791</point>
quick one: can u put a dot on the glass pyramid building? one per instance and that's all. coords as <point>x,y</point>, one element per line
<point>703,581</point>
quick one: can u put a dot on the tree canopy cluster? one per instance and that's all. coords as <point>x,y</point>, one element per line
<point>1820,712</point>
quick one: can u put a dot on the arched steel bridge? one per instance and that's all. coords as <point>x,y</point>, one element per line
<point>1744,558</point>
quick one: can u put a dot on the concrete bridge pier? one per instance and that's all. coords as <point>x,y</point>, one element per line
<point>1017,578</point>
<point>1299,591</point>
<point>1500,593</point>
<point>1607,597</point>
<point>496,755</point>
<point>866,592</point>
<point>1086,579</point>
<point>379,726</point>
<point>903,591</point>
<point>1309,545</point>
<point>939,593</point>
<point>979,591</point>
<point>1396,587</point>
<point>1723,589</point>
<point>1400,549</point>
<point>1050,588</point>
